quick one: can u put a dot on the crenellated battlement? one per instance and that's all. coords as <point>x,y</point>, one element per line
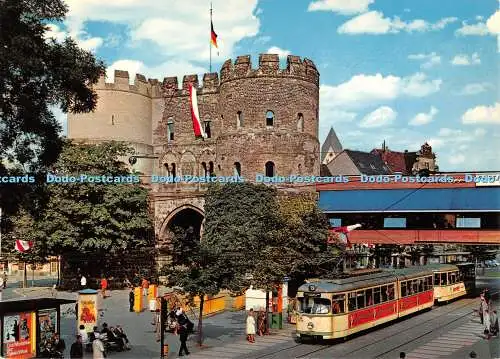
<point>268,66</point>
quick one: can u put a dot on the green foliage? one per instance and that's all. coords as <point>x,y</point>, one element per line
<point>36,75</point>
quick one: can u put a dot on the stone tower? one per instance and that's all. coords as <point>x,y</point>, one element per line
<point>261,120</point>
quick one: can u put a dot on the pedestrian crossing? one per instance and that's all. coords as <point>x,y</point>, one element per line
<point>242,348</point>
<point>447,344</point>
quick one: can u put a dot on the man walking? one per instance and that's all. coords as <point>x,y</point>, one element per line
<point>76,348</point>
<point>98,347</point>
<point>183,336</point>
<point>131,299</point>
<point>104,286</point>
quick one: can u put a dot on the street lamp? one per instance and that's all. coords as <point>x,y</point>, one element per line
<point>133,159</point>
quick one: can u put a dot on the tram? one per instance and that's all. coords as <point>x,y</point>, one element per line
<point>449,281</point>
<point>337,308</point>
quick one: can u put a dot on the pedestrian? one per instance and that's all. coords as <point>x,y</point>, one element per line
<point>98,347</point>
<point>261,323</point>
<point>183,336</point>
<point>76,348</point>
<point>251,327</point>
<point>145,287</point>
<point>83,282</point>
<point>472,354</point>
<point>83,334</point>
<point>131,299</point>
<point>487,323</point>
<point>402,355</point>
<point>59,344</point>
<point>104,286</point>
<point>482,307</point>
<point>493,323</point>
<point>4,277</point>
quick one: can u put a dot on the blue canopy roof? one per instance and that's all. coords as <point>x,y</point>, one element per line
<point>411,200</point>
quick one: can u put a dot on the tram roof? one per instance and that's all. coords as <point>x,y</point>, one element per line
<point>412,272</point>
<point>442,267</point>
<point>350,283</point>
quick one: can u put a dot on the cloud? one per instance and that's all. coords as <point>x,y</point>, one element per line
<point>374,22</point>
<point>344,7</point>
<point>276,50</point>
<point>465,60</point>
<point>428,61</point>
<point>424,118</point>
<point>480,132</point>
<point>482,114</point>
<point>457,159</point>
<point>175,28</point>
<point>490,27</point>
<point>165,69</point>
<point>474,89</point>
<point>262,39</point>
<point>382,116</point>
<point>363,90</point>
<point>83,40</point>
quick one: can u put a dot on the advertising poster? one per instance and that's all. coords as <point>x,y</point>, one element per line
<point>47,321</point>
<point>87,311</point>
<point>18,336</point>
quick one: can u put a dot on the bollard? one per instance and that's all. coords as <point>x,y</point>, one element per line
<point>138,300</point>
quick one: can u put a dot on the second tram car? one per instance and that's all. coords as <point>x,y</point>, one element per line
<point>448,282</point>
<point>337,308</point>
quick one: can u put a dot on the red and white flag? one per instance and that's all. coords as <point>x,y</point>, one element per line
<point>341,233</point>
<point>195,116</point>
<point>23,246</point>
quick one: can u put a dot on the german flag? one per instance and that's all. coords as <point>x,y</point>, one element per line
<point>213,35</point>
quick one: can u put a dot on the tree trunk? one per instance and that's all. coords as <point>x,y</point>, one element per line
<point>200,321</point>
<point>267,313</point>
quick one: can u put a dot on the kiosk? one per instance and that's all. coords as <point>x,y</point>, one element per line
<point>27,325</point>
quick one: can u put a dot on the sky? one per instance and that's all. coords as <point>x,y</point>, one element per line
<point>403,71</point>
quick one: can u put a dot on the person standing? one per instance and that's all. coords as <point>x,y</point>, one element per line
<point>104,286</point>
<point>487,323</point>
<point>183,336</point>
<point>83,282</point>
<point>493,323</point>
<point>482,307</point>
<point>145,287</point>
<point>131,299</point>
<point>251,327</point>
<point>98,347</point>
<point>4,277</point>
<point>59,344</point>
<point>76,348</point>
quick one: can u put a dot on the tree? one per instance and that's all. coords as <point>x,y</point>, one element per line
<point>38,74</point>
<point>95,226</point>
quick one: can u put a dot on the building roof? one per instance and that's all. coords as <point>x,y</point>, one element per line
<point>324,171</point>
<point>396,161</point>
<point>478,199</point>
<point>331,142</point>
<point>368,163</point>
<point>28,305</point>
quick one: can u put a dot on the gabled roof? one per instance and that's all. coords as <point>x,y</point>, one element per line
<point>324,171</point>
<point>397,161</point>
<point>331,143</point>
<point>368,163</point>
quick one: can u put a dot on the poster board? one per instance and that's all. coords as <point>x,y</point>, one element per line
<point>87,310</point>
<point>19,335</point>
<point>47,326</point>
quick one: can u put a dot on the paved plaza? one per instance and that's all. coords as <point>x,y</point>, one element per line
<point>446,332</point>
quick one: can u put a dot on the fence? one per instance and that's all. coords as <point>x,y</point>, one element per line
<point>211,304</point>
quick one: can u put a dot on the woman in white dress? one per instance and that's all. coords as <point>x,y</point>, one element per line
<point>251,327</point>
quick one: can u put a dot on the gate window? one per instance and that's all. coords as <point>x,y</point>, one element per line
<point>270,170</point>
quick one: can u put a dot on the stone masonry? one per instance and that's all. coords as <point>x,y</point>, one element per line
<point>155,119</point>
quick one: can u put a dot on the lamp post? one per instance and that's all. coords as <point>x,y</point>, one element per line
<point>133,159</point>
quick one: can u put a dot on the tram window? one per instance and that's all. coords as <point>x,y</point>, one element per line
<point>383,293</point>
<point>352,302</point>
<point>420,285</point>
<point>361,299</point>
<point>306,305</point>
<point>452,278</point>
<point>437,280</point>
<point>376,295</point>
<point>321,306</point>
<point>444,281</point>
<point>428,283</point>
<point>403,289</point>
<point>369,297</point>
<point>390,291</point>
<point>338,304</point>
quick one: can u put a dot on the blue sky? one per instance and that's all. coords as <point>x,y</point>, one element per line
<point>395,70</point>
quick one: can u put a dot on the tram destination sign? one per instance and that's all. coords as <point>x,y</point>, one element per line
<point>308,294</point>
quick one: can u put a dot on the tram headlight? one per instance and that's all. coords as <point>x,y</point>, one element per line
<point>310,325</point>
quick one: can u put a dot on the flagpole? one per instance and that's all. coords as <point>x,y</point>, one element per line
<point>210,38</point>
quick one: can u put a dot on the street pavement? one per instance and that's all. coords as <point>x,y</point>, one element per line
<point>445,332</point>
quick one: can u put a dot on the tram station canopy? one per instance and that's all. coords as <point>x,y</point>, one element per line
<point>484,199</point>
<point>33,304</point>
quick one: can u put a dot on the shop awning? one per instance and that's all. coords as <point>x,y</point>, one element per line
<point>482,199</point>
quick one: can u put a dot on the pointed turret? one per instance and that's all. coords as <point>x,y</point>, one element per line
<point>331,147</point>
